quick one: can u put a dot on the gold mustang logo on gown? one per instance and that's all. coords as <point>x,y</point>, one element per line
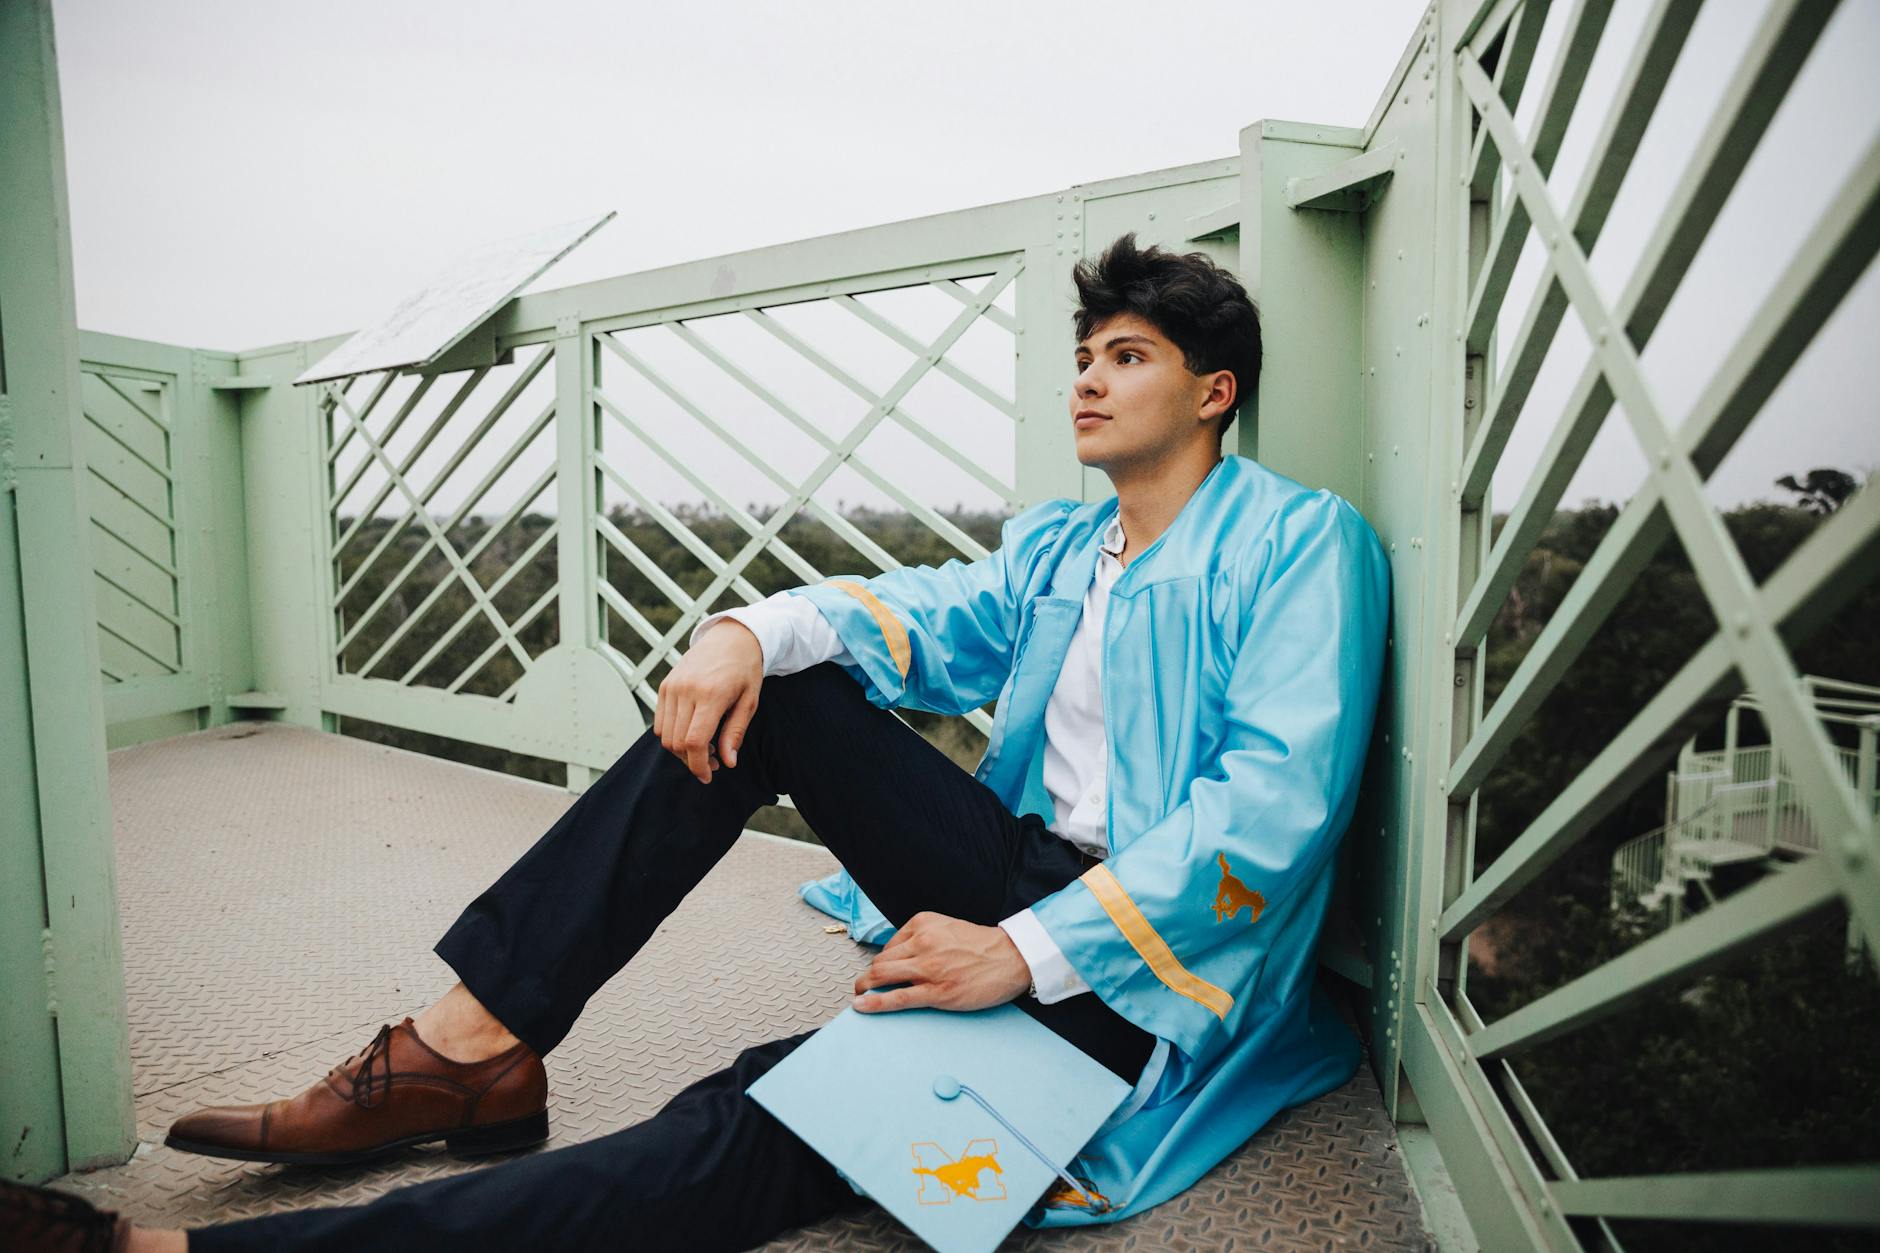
<point>961,1177</point>
<point>1232,894</point>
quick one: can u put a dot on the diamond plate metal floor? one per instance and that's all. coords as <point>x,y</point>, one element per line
<point>281,890</point>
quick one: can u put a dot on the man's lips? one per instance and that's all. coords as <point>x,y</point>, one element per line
<point>1088,417</point>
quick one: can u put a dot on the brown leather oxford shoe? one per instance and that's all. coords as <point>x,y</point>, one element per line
<point>398,1091</point>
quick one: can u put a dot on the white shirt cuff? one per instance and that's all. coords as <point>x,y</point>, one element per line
<point>1050,969</point>
<point>790,630</point>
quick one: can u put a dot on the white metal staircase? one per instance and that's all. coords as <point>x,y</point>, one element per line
<point>1738,805</point>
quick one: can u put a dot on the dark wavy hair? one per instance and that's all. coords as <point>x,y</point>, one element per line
<point>1201,308</point>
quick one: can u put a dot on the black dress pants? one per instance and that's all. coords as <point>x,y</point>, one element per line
<point>712,1169</point>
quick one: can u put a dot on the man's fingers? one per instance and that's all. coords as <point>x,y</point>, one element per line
<point>678,714</point>
<point>904,935</point>
<point>880,973</point>
<point>735,722</point>
<point>698,738</point>
<point>900,998</point>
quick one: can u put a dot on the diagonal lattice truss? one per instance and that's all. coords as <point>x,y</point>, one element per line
<point>821,447</point>
<point>1510,200</point>
<point>440,498</point>
<point>132,499</point>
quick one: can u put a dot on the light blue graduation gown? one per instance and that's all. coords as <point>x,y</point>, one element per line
<point>1241,657</point>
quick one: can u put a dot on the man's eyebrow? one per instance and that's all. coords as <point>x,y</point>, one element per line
<point>1121,339</point>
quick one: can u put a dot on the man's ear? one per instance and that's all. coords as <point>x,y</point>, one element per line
<point>1221,396</point>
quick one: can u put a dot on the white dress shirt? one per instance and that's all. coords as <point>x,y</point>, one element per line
<point>794,635</point>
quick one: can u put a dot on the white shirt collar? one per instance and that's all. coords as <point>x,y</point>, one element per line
<point>1113,536</point>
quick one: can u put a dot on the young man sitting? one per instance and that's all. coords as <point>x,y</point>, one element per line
<point>1186,675</point>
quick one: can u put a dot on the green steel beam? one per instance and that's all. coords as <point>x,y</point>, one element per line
<point>1306,270</point>
<point>1349,187</point>
<point>1754,646</point>
<point>969,547</point>
<point>1501,1185</point>
<point>1806,1196</point>
<point>66,1046</point>
<point>1817,578</point>
<point>1780,901</point>
<point>1822,271</point>
<point>1419,47</point>
<point>1509,1198</point>
<point>1484,24</point>
<point>1543,1138</point>
<point>1221,220</point>
<point>1584,25</point>
<point>1641,84</point>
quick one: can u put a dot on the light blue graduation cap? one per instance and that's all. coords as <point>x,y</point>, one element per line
<point>956,1123</point>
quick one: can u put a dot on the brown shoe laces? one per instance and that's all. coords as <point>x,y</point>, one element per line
<point>369,1090</point>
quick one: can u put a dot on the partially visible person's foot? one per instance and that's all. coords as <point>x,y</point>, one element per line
<point>45,1220</point>
<point>398,1091</point>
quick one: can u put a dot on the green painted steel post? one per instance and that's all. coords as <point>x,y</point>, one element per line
<point>1864,768</point>
<point>1865,785</point>
<point>576,368</point>
<point>1045,464</point>
<point>285,482</point>
<point>1305,267</point>
<point>65,1049</point>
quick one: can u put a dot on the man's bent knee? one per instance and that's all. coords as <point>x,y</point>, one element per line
<point>824,687</point>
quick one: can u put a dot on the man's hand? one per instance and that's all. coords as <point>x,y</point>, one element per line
<point>716,682</point>
<point>948,963</point>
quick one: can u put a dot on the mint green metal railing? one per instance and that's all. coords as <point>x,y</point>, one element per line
<point>1494,195</point>
<point>541,420</point>
<point>162,454</point>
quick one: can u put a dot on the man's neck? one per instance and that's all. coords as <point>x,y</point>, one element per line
<point>1147,500</point>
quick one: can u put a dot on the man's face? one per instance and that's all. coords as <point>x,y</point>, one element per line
<point>1147,405</point>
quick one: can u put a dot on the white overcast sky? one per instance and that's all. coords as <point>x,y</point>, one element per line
<point>245,172</point>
